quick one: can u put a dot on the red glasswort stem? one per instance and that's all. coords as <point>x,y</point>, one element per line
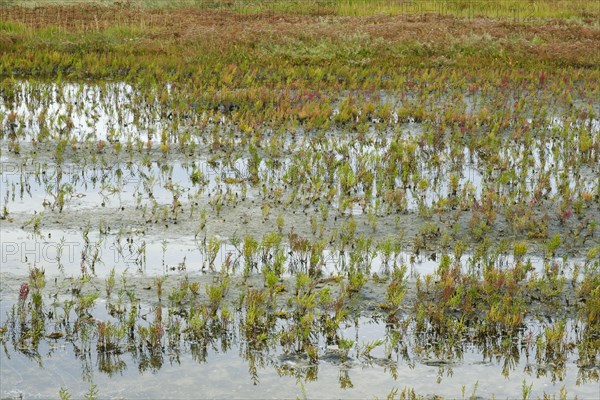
<point>23,292</point>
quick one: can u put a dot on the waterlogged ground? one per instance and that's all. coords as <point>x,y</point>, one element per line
<point>220,371</point>
<point>175,255</point>
<point>225,364</point>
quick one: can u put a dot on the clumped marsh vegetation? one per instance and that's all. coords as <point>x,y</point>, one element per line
<point>329,198</point>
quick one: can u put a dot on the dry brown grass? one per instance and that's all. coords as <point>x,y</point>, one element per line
<point>195,23</point>
<point>567,43</point>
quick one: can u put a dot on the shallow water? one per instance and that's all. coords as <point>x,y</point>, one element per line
<point>35,187</point>
<point>148,256</point>
<point>114,112</point>
<point>30,187</point>
<point>216,372</point>
<point>225,368</point>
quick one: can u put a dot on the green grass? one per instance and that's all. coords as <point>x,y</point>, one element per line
<point>514,9</point>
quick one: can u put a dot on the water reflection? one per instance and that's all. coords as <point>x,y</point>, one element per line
<point>99,349</point>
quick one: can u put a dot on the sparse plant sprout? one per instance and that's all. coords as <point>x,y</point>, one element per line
<point>520,250</point>
<point>314,224</point>
<point>59,251</point>
<point>324,210</point>
<point>356,279</point>
<point>64,394</point>
<point>266,211</point>
<point>397,289</point>
<point>280,222</point>
<point>92,393</point>
<point>163,246</point>
<point>110,282</point>
<point>367,348</point>
<point>159,281</point>
<point>526,390</point>
<point>250,246</point>
<point>345,345</point>
<point>213,248</point>
<point>553,244</point>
